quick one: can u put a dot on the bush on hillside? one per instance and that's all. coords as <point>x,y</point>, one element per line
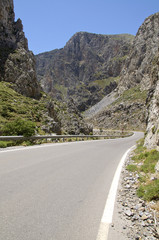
<point>19,127</point>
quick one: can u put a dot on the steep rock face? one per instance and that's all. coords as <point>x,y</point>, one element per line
<point>136,80</point>
<point>17,64</point>
<point>137,69</point>
<point>152,131</point>
<point>86,69</point>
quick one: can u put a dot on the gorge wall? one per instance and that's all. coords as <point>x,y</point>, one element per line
<point>152,131</point>
<point>17,63</point>
<point>142,68</point>
<point>137,68</point>
<point>86,69</point>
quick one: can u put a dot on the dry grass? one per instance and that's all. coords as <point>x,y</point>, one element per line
<point>155,206</point>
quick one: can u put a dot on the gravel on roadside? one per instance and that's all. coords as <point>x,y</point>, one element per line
<point>134,217</point>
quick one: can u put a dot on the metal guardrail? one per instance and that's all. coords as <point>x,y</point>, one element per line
<point>55,137</point>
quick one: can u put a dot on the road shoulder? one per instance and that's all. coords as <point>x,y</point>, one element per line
<point>132,218</point>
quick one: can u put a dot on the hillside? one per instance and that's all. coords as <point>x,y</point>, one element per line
<point>86,69</point>
<point>49,116</point>
<point>21,96</point>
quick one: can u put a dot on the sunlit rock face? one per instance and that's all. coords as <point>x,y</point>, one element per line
<point>17,64</point>
<point>152,131</point>
<point>137,68</point>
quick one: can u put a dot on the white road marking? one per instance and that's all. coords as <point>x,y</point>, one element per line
<point>109,207</point>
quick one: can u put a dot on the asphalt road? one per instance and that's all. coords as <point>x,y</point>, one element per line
<point>57,191</point>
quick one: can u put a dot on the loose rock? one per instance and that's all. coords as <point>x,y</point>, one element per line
<point>137,213</point>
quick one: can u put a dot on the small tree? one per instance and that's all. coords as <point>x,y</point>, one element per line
<point>19,127</point>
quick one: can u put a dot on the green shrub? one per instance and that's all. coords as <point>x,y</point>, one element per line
<point>27,143</point>
<point>148,168</point>
<point>142,178</point>
<point>4,144</point>
<point>140,146</point>
<point>19,127</point>
<point>132,168</point>
<point>5,112</point>
<point>147,159</point>
<point>70,140</point>
<point>150,160</point>
<point>149,192</point>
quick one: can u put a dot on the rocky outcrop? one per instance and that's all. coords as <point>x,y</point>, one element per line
<point>152,131</point>
<point>20,70</point>
<point>17,64</point>
<point>137,69</point>
<point>86,69</point>
<point>73,122</point>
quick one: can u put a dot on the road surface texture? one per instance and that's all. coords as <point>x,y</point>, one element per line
<point>57,191</point>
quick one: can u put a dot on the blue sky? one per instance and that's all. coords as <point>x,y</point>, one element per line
<point>49,24</point>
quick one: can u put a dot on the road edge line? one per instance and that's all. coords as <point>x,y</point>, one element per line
<point>110,202</point>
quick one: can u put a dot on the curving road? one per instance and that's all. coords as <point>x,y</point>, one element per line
<point>57,191</point>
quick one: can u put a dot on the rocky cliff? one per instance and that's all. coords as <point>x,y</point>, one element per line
<point>86,69</point>
<point>129,110</point>
<point>17,64</point>
<point>137,69</point>
<point>152,131</point>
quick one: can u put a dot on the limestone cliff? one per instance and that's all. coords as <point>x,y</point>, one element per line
<point>17,64</point>
<point>152,131</point>
<point>137,69</point>
<point>86,69</point>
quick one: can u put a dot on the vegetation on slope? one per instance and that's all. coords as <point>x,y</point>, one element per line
<point>15,106</point>
<point>144,162</point>
<point>20,115</point>
<point>132,95</point>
